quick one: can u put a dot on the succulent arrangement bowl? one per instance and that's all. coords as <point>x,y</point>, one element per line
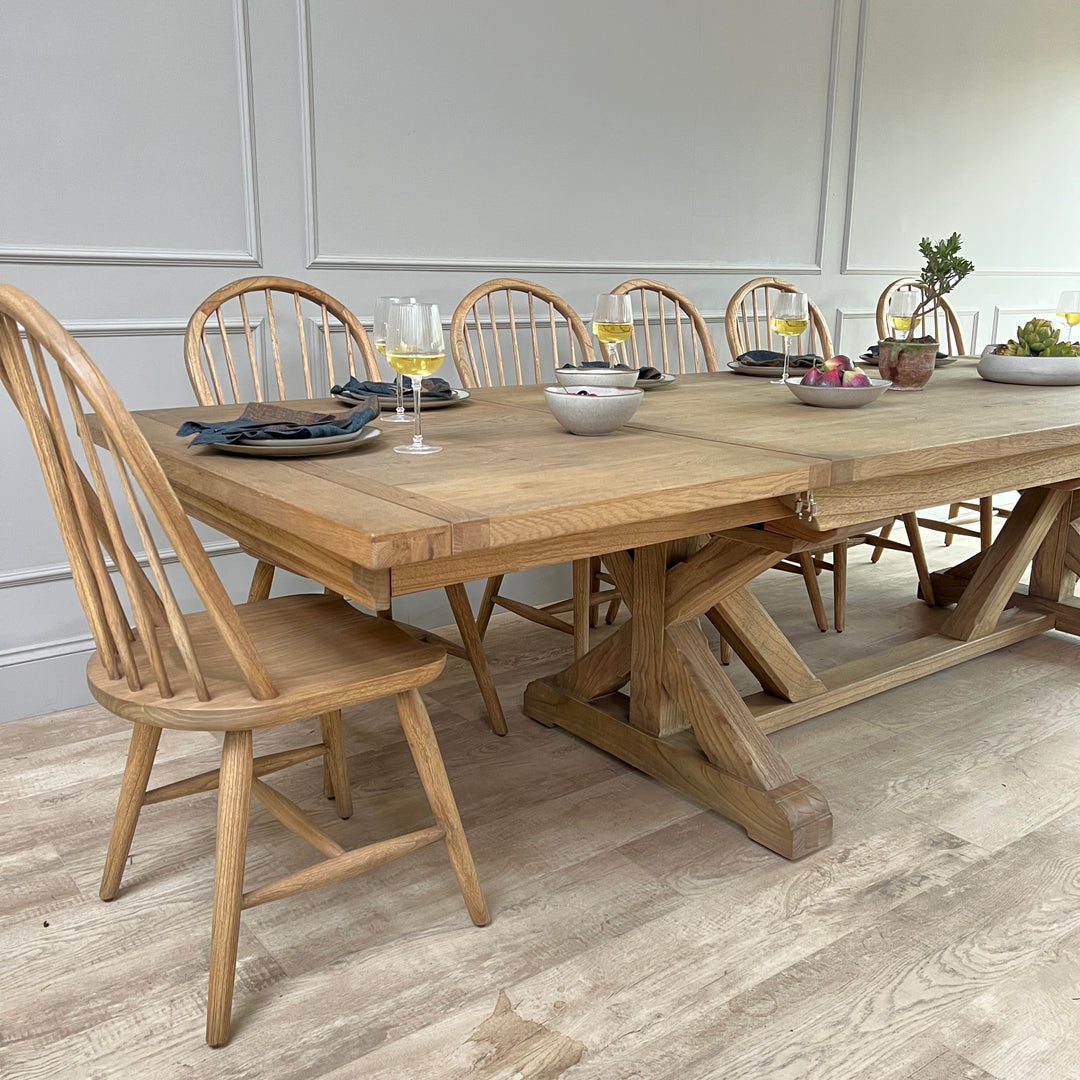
<point>1035,357</point>
<point>596,376</point>
<point>592,410</point>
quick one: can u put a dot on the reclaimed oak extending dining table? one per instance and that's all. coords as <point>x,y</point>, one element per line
<point>687,504</point>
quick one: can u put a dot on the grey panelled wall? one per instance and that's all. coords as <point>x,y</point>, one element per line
<point>153,152</point>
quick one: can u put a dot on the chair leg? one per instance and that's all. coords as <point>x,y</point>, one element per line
<point>487,604</point>
<point>926,587</point>
<point>884,534</point>
<point>839,585</point>
<point>582,572</point>
<point>809,573</point>
<point>594,587</point>
<point>335,765</point>
<point>954,511</point>
<point>986,522</point>
<point>140,760</point>
<point>261,581</point>
<point>420,736</point>
<point>234,797</point>
<point>474,651</point>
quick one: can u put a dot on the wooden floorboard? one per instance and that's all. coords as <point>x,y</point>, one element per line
<point>635,936</point>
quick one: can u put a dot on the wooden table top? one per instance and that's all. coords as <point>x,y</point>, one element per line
<point>710,451</point>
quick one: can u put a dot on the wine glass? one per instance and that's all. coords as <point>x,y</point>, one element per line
<point>378,337</point>
<point>1069,309</point>
<point>613,322</point>
<point>789,319</point>
<point>414,347</point>
<point>901,312</point>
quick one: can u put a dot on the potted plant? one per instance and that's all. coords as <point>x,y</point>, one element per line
<point>909,361</point>
<point>1036,356</point>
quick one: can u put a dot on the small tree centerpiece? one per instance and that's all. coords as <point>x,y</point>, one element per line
<point>907,360</point>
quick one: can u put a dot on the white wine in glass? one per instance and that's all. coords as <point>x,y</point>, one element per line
<point>378,337</point>
<point>789,318</point>
<point>1069,309</point>
<point>901,311</point>
<point>613,323</point>
<point>415,347</point>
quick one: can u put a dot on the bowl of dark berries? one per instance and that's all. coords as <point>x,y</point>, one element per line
<point>592,410</point>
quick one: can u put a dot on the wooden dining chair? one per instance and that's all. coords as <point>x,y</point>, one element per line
<point>510,332</point>
<point>941,321</point>
<point>670,334</point>
<point>747,326</point>
<point>297,359</point>
<point>226,669</point>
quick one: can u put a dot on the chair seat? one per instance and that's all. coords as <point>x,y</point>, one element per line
<point>321,654</point>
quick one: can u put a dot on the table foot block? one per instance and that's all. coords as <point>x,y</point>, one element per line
<point>793,819</point>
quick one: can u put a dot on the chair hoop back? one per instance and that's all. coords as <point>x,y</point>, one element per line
<point>673,335</point>
<point>748,313</point>
<point>489,324</point>
<point>53,406</point>
<point>251,329</point>
<point>943,316</point>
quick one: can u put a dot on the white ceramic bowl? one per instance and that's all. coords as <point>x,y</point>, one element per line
<point>837,397</point>
<point>600,411</point>
<point>1032,370</point>
<point>597,376</point>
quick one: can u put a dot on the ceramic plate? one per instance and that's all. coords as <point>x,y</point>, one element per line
<point>391,402</point>
<point>654,384</point>
<point>765,370</point>
<point>331,444</point>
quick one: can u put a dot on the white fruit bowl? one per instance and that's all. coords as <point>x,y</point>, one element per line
<point>837,397</point>
<point>596,376</point>
<point>600,411</point>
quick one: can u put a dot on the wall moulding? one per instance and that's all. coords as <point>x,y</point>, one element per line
<point>318,258</point>
<point>138,256</point>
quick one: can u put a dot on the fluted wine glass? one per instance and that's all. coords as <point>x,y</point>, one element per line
<point>613,323</point>
<point>378,337</point>
<point>901,312</point>
<point>415,347</point>
<point>789,318</point>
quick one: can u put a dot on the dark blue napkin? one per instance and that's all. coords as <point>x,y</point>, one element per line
<point>768,358</point>
<point>271,422</point>
<point>647,373</point>
<point>430,389</point>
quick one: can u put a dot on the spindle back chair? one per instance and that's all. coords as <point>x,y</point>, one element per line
<point>509,332</point>
<point>747,325</point>
<point>499,338</point>
<point>243,346</point>
<point>942,323</point>
<point>295,374</point>
<point>670,334</point>
<point>223,668</point>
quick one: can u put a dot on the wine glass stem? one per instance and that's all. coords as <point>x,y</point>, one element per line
<point>400,410</point>
<point>787,355</point>
<point>612,354</point>
<point>418,432</point>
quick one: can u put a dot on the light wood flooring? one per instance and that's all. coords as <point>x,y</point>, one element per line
<point>634,935</point>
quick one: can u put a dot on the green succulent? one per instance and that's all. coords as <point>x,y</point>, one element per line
<point>1063,348</point>
<point>1038,337</point>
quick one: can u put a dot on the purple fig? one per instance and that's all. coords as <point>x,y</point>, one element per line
<point>855,378</point>
<point>812,377</point>
<point>840,362</point>
<point>831,377</point>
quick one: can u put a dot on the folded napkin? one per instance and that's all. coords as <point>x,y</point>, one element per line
<point>430,389</point>
<point>272,422</point>
<point>768,358</point>
<point>872,353</point>
<point>649,374</point>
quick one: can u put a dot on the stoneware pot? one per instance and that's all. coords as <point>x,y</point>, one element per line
<point>907,365</point>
